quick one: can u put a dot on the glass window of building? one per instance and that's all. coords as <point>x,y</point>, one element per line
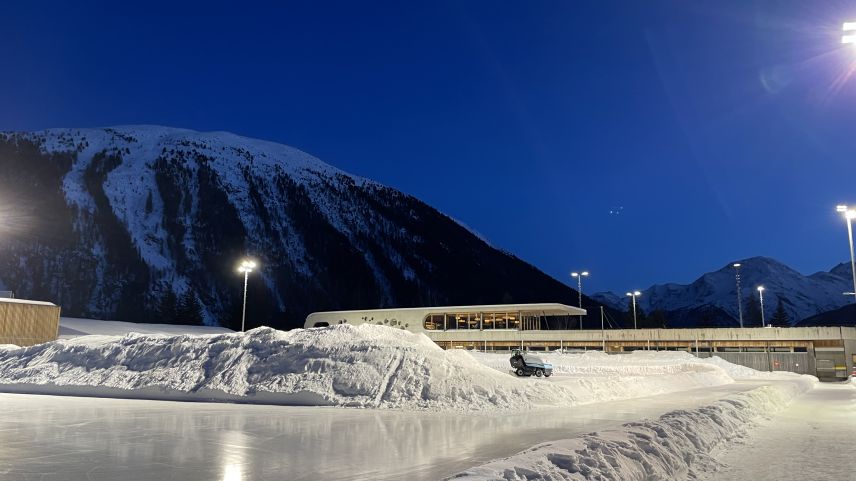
<point>487,322</point>
<point>513,321</point>
<point>434,322</point>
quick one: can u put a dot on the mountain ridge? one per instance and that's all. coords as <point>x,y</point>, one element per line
<point>112,220</point>
<point>802,296</point>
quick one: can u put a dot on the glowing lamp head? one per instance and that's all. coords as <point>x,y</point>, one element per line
<point>584,273</point>
<point>840,208</point>
<point>575,274</point>
<point>760,288</point>
<point>735,265</point>
<point>849,33</point>
<point>637,293</point>
<point>629,293</point>
<point>246,266</point>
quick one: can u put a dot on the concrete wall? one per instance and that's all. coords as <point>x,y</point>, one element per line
<point>799,362</point>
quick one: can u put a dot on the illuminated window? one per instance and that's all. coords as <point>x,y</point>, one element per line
<point>434,322</point>
<point>487,322</point>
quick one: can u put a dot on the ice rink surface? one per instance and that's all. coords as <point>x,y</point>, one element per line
<point>51,438</point>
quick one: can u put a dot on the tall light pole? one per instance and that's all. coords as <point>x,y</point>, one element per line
<point>850,214</point>
<point>579,276</point>
<point>736,267</point>
<point>761,296</point>
<point>634,295</point>
<point>246,267</point>
<point>849,35</point>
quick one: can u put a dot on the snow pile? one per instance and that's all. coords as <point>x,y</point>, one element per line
<point>737,371</point>
<point>677,446</point>
<point>636,363</point>
<point>343,365</point>
<point>74,327</point>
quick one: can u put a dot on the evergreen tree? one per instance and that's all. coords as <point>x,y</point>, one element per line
<point>189,309</point>
<point>168,308</point>
<point>780,316</point>
<point>752,312</point>
<point>657,320</point>
<point>149,203</point>
<point>641,320</point>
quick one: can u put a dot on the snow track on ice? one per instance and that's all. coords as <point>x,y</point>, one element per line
<point>677,446</point>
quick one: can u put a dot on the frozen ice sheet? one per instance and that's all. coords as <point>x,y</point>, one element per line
<point>53,438</point>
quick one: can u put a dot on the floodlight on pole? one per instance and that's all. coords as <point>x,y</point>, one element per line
<point>736,267</point>
<point>245,268</point>
<point>849,33</point>
<point>579,276</point>
<point>849,215</point>
<point>761,297</point>
<point>633,295</point>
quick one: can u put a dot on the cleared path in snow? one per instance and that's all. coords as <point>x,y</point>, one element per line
<point>55,438</point>
<point>811,439</point>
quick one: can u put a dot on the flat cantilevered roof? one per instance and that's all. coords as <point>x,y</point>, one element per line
<point>13,300</point>
<point>544,309</point>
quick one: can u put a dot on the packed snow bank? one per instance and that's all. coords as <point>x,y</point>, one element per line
<point>636,363</point>
<point>344,365</point>
<point>70,327</point>
<point>677,446</point>
<point>737,371</point>
<point>595,376</point>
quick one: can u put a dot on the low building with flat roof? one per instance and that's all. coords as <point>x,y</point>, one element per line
<point>25,323</point>
<point>826,352</point>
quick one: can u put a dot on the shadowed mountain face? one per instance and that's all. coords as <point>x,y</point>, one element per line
<point>111,222</point>
<point>711,300</point>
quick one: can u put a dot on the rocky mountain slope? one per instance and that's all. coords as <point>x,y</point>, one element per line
<point>712,298</point>
<point>112,222</point>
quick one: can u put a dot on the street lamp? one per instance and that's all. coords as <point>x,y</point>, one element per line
<point>634,295</point>
<point>736,267</point>
<point>850,214</point>
<point>849,35</point>
<point>761,296</point>
<point>579,276</point>
<point>246,267</point>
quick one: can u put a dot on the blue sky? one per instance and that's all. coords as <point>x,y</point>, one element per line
<point>718,129</point>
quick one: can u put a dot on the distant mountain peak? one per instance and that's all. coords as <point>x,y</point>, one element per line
<point>716,292</point>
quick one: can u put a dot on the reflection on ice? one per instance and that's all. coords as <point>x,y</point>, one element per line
<point>232,472</point>
<point>53,438</point>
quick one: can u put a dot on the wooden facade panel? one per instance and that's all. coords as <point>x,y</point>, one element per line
<point>25,324</point>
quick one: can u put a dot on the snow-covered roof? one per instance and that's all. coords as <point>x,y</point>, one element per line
<point>26,301</point>
<point>545,308</point>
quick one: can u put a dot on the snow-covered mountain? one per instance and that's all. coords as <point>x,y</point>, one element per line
<point>111,222</point>
<point>712,298</point>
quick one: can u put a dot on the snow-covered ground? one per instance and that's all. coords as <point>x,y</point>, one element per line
<point>70,327</point>
<point>417,385</point>
<point>810,439</point>
<point>354,366</point>
<point>677,446</point>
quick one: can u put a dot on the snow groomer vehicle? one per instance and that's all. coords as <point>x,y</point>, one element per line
<point>528,365</point>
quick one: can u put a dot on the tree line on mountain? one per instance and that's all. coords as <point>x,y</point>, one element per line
<point>180,310</point>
